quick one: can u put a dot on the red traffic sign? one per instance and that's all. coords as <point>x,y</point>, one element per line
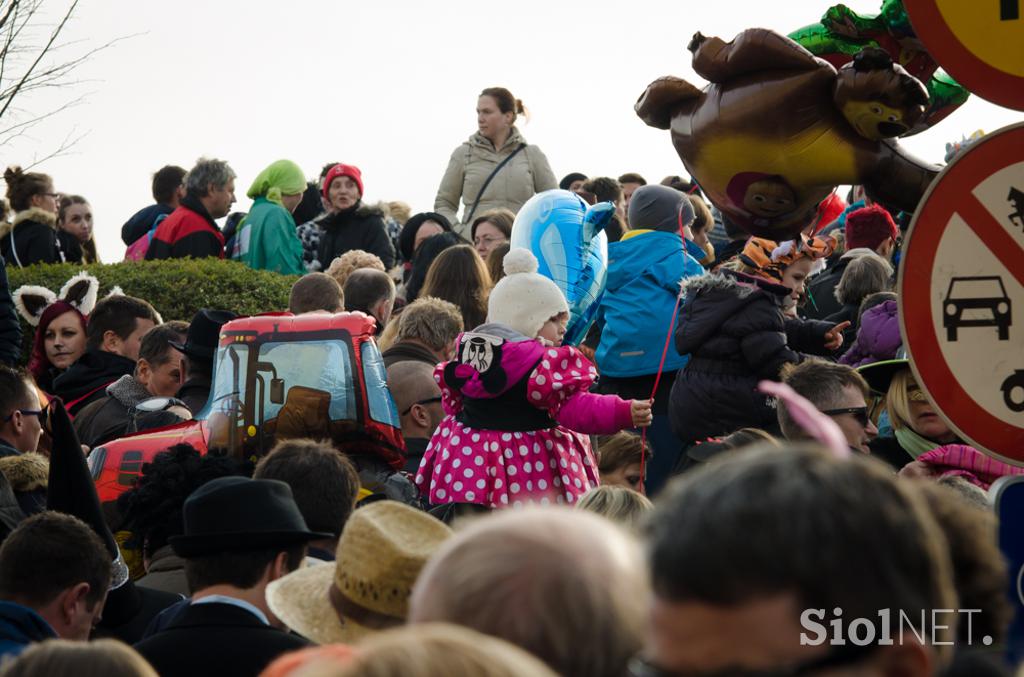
<point>979,44</point>
<point>961,288</point>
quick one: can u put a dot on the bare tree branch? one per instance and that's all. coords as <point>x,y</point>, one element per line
<point>35,58</point>
<point>53,36</point>
<point>66,145</point>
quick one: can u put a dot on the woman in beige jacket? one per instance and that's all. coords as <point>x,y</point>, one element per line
<point>497,138</point>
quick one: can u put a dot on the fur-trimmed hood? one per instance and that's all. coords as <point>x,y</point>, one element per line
<point>713,299</point>
<point>31,214</point>
<point>339,219</point>
<point>725,280</point>
<point>26,472</point>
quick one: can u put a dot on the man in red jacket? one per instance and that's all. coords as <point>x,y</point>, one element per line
<point>190,230</point>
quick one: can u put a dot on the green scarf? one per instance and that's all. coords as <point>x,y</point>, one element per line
<point>914,444</point>
<point>283,177</point>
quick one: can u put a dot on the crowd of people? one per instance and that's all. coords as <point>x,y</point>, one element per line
<point>640,504</point>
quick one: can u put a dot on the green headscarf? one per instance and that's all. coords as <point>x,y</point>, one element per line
<point>284,177</point>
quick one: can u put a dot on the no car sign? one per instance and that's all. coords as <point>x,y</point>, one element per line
<point>962,294</point>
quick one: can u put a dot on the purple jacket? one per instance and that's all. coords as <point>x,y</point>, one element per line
<point>878,337</point>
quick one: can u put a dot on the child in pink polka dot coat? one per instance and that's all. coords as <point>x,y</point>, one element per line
<point>519,413</point>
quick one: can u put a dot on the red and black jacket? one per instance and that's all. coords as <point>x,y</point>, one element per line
<point>188,231</point>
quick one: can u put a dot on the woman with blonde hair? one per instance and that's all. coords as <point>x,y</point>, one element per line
<point>458,275</point>
<point>621,505</point>
<point>917,426</point>
<point>495,168</point>
<point>65,658</point>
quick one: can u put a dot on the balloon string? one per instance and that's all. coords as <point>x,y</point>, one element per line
<point>664,356</point>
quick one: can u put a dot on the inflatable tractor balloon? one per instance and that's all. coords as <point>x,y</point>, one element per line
<point>842,33</point>
<point>567,237</point>
<point>777,129</point>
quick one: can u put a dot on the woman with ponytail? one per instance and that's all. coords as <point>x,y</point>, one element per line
<point>495,168</point>
<point>33,236</point>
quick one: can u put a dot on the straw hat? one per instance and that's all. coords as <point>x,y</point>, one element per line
<point>381,552</point>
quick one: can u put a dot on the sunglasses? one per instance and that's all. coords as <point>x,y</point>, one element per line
<point>860,414</point>
<point>43,415</point>
<point>421,403</point>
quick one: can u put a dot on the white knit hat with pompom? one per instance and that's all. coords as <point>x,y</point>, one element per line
<point>524,299</point>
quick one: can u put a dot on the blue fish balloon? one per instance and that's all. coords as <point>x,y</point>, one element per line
<point>567,237</point>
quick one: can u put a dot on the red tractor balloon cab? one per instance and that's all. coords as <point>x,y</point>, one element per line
<point>276,377</point>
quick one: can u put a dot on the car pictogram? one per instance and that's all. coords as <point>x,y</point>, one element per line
<point>979,301</point>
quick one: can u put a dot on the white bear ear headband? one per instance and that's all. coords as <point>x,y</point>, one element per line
<point>80,292</point>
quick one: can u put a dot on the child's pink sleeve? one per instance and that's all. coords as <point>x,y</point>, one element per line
<point>560,384</point>
<point>451,398</point>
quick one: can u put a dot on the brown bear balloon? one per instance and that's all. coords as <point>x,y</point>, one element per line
<point>777,129</point>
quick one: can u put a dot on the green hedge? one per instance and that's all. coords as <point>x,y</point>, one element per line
<point>176,288</point>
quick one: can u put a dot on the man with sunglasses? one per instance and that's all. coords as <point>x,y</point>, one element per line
<point>837,391</point>
<point>418,399</point>
<point>22,423</point>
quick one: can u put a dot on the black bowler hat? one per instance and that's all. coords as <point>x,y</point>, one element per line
<point>204,333</point>
<point>237,513</point>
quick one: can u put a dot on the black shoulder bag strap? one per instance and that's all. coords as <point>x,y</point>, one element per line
<point>476,203</point>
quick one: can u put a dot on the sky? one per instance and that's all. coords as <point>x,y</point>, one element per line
<point>389,86</point>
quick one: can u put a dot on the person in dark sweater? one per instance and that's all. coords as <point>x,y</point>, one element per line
<point>324,483</point>
<point>157,374</point>
<point>371,292</point>
<point>54,575</point>
<point>199,348</point>
<point>168,191</point>
<point>418,400</point>
<point>190,230</point>
<point>348,223</point>
<point>114,335</point>
<point>869,229</point>
<point>240,535</point>
<point>21,424</point>
<point>427,330</point>
<point>33,236</point>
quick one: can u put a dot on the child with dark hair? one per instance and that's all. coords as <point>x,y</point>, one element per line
<point>152,510</point>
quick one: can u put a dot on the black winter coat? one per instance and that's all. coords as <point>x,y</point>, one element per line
<point>361,227</point>
<point>86,380</point>
<point>216,639</point>
<point>733,328</point>
<point>36,240</point>
<point>821,292</point>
